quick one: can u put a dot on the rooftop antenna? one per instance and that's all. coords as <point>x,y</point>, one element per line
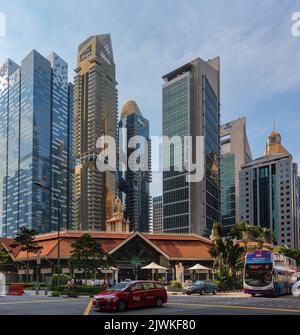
<point>274,125</point>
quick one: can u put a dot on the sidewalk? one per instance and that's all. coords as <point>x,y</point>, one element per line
<point>234,294</point>
<point>33,292</point>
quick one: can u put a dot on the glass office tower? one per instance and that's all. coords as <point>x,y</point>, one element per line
<point>191,107</point>
<point>136,183</point>
<point>235,152</point>
<point>157,215</point>
<point>95,115</point>
<point>35,116</point>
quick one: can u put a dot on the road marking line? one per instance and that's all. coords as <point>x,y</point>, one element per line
<point>239,307</point>
<point>88,307</point>
<point>37,301</point>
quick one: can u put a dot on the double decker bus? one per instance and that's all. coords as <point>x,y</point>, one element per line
<point>268,273</point>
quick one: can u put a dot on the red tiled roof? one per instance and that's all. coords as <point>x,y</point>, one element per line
<point>174,246</point>
<point>183,249</point>
<point>6,242</point>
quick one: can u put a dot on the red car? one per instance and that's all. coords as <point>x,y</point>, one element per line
<point>131,295</point>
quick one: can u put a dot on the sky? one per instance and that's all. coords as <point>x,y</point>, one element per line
<point>260,58</point>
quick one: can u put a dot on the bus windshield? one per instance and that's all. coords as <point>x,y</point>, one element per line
<point>259,275</point>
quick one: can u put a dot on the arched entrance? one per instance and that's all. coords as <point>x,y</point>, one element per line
<point>2,284</point>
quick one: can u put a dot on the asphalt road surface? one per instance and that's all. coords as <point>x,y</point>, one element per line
<point>231,304</point>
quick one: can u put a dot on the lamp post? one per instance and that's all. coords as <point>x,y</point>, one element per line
<point>38,262</point>
<point>42,185</point>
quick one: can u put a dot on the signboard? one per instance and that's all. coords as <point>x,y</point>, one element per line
<point>259,257</point>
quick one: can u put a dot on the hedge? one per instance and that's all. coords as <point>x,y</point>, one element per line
<point>80,290</point>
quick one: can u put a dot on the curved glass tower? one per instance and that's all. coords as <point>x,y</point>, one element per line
<point>136,183</point>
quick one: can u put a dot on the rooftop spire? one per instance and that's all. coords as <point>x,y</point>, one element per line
<point>274,145</point>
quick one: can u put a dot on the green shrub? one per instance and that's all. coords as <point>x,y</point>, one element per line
<point>229,284</point>
<point>174,289</point>
<point>175,284</point>
<point>56,294</point>
<point>53,280</point>
<point>80,290</point>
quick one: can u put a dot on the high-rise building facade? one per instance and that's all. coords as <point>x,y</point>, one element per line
<point>235,152</point>
<point>157,226</point>
<point>268,192</point>
<point>298,215</point>
<point>35,114</point>
<point>136,183</point>
<point>95,115</point>
<point>191,107</point>
<point>299,191</point>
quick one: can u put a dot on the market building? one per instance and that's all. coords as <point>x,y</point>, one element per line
<point>130,252</point>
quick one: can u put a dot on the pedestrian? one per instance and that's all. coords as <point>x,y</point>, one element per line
<point>70,287</point>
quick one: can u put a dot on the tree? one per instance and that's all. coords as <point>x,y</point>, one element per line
<point>292,253</point>
<point>227,257</point>
<point>216,232</point>
<point>245,232</point>
<point>262,235</point>
<point>249,233</point>
<point>25,239</point>
<point>4,257</point>
<point>88,255</point>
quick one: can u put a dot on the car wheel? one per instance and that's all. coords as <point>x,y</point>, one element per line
<point>253,294</point>
<point>122,306</point>
<point>188,293</point>
<point>158,302</point>
<point>214,291</point>
<point>202,292</point>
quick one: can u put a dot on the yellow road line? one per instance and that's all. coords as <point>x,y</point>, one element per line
<point>88,307</point>
<point>239,307</point>
<point>37,301</point>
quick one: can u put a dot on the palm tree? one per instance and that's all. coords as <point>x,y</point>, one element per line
<point>243,231</point>
<point>217,252</point>
<point>262,235</point>
<point>216,232</point>
<point>234,257</point>
<point>227,257</point>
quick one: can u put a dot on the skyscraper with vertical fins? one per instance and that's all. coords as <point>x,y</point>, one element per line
<point>191,107</point>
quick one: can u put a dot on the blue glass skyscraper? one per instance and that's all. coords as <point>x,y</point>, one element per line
<point>36,109</point>
<point>136,183</point>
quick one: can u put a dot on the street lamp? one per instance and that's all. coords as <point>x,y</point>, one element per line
<point>42,185</point>
<point>38,263</point>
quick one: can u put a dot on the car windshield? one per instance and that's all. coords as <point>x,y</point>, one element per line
<point>199,282</point>
<point>119,287</point>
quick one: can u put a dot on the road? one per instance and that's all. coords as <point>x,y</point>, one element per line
<point>230,304</point>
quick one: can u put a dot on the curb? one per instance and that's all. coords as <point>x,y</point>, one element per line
<point>219,293</point>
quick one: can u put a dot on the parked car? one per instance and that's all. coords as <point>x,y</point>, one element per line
<point>131,295</point>
<point>202,287</point>
<point>296,289</point>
